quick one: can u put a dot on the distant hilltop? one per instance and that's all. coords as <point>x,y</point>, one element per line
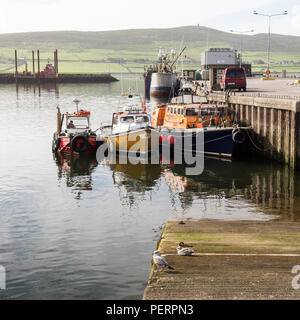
<point>130,50</point>
<point>129,39</point>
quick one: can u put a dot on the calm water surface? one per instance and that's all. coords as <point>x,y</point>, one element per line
<point>76,229</point>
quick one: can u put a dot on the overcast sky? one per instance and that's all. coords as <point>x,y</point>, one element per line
<point>98,15</point>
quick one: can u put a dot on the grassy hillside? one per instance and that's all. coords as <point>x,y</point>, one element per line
<point>87,51</point>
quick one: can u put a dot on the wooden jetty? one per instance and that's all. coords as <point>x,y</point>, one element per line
<point>232,260</point>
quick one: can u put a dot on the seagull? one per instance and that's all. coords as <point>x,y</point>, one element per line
<point>160,261</point>
<point>184,251</point>
<point>182,244</point>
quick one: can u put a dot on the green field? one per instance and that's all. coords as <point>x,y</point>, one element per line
<point>88,51</point>
<point>76,61</point>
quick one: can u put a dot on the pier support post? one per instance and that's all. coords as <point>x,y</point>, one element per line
<point>265,124</point>
<point>253,117</point>
<point>279,134</point>
<point>297,139</point>
<point>259,120</point>
<point>242,118</point>
<point>293,140</point>
<point>286,136</point>
<point>38,62</point>
<point>55,61</point>
<point>38,58</point>
<point>272,133</point>
<point>33,71</point>
<point>248,115</point>
<point>265,131</point>
<point>16,66</point>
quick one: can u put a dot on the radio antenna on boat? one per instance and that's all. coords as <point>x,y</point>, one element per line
<point>122,89</point>
<point>136,85</point>
<point>76,101</point>
<point>181,52</point>
<point>181,46</point>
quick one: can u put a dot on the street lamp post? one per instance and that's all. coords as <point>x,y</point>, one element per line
<point>241,33</point>
<point>269,40</point>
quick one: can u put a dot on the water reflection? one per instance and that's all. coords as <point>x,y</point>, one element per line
<point>225,190</point>
<point>76,172</point>
<point>38,88</point>
<point>58,247</point>
<point>133,179</point>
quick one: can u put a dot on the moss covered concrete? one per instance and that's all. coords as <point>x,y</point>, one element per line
<point>233,260</point>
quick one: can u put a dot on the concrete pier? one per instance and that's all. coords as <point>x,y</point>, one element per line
<point>276,121</point>
<point>232,260</point>
<point>273,111</point>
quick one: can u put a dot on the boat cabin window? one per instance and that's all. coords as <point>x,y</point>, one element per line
<point>175,110</point>
<point>140,119</point>
<point>223,110</point>
<point>77,123</point>
<point>115,119</point>
<point>127,119</point>
<point>171,110</point>
<point>191,112</point>
<point>209,111</point>
<point>168,109</point>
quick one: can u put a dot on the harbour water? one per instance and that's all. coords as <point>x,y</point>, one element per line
<point>77,229</point>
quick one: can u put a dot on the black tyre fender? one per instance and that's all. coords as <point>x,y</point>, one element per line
<point>85,146</point>
<point>238,136</point>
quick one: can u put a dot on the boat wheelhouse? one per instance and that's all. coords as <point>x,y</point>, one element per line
<point>131,129</point>
<point>74,134</point>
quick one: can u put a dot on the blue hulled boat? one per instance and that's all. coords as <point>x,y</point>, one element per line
<point>196,127</point>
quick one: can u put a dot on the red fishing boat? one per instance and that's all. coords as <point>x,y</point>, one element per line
<point>73,134</point>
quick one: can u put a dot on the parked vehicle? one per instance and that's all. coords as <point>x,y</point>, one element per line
<point>234,78</point>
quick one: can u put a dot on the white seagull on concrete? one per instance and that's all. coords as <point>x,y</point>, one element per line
<point>184,251</point>
<point>160,261</point>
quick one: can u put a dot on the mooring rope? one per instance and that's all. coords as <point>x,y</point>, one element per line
<point>258,148</point>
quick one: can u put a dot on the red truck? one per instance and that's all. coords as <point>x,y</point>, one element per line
<point>234,78</point>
